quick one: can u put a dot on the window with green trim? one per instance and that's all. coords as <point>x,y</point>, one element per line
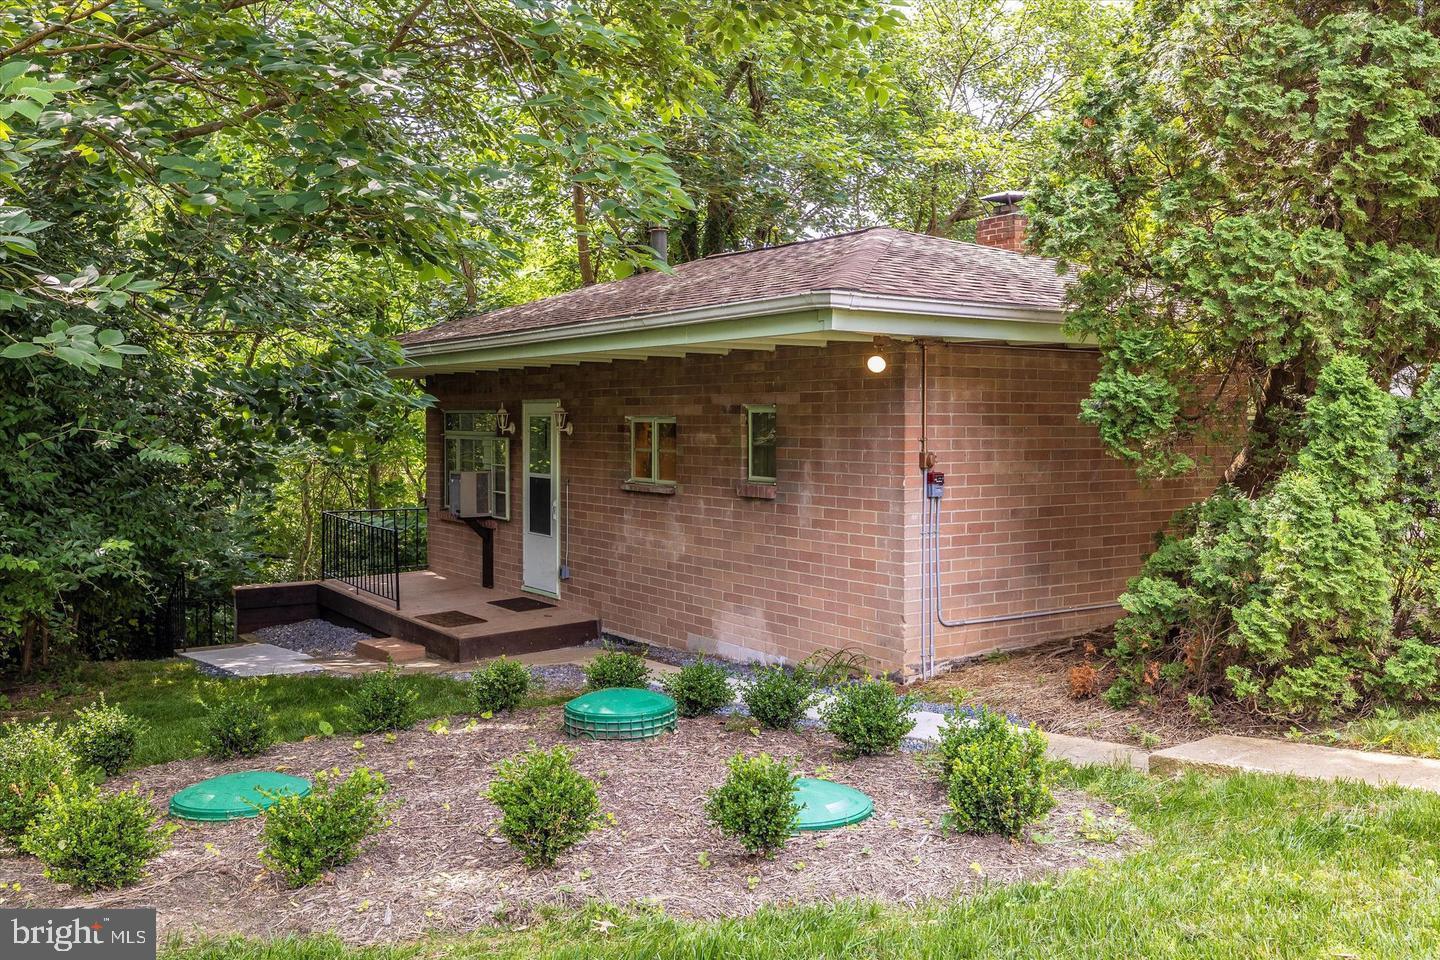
<point>471,445</point>
<point>653,449</point>
<point>760,442</point>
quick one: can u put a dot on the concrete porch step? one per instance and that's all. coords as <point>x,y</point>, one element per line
<point>385,649</point>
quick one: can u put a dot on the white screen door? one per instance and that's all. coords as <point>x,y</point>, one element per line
<point>541,553</point>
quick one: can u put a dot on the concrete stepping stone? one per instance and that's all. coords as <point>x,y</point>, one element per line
<point>1227,754</point>
<point>254,659</point>
<point>386,649</point>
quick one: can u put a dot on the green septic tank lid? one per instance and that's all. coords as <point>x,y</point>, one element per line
<point>234,795</point>
<point>619,713</point>
<point>825,805</point>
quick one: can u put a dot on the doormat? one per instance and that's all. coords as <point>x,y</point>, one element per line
<point>521,604</point>
<point>451,618</point>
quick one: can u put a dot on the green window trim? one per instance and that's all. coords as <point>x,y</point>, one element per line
<point>469,437</point>
<point>654,450</point>
<point>760,438</point>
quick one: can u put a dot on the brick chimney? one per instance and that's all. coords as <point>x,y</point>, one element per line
<point>1005,226</point>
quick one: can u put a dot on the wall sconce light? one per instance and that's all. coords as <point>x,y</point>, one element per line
<point>503,423</point>
<point>562,422</point>
<point>875,363</point>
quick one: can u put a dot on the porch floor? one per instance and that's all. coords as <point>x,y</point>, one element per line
<point>424,593</point>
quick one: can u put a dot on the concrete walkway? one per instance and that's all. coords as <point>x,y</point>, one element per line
<point>1226,754</point>
<point>254,659</point>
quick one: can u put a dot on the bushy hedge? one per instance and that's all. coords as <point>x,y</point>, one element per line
<point>306,837</point>
<point>868,716</point>
<point>996,777</point>
<point>756,804</point>
<point>778,696</point>
<point>499,685</point>
<point>34,758</point>
<point>546,805</point>
<point>236,723</point>
<point>384,700</point>
<point>616,668</point>
<point>103,737</point>
<point>90,839</point>
<point>699,688</point>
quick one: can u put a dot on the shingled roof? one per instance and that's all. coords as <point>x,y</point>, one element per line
<point>878,261</point>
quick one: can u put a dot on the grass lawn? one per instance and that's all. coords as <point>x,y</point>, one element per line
<point>166,694</point>
<point>1414,734</point>
<point>1241,867</point>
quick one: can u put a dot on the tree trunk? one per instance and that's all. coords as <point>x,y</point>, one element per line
<point>372,485</point>
<point>27,648</point>
<point>1266,450</point>
<point>582,235</point>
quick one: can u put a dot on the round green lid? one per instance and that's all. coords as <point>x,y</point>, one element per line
<point>825,805</point>
<point>617,703</point>
<point>234,795</point>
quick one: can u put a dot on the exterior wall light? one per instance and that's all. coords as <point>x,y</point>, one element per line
<point>503,423</point>
<point>875,363</point>
<point>562,422</point>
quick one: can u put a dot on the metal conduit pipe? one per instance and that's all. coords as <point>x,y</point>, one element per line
<point>935,590</point>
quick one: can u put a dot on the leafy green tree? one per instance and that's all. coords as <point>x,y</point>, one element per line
<point>1250,192</point>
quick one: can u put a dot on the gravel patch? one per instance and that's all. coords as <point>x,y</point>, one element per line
<point>443,867</point>
<point>313,636</point>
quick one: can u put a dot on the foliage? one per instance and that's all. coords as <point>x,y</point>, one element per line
<point>304,838</point>
<point>616,668</point>
<point>996,777</point>
<point>103,736</point>
<point>499,685</point>
<point>384,700</point>
<point>33,759</point>
<point>778,696</point>
<point>91,839</point>
<point>756,804</point>
<point>1345,854</point>
<point>869,716</point>
<point>699,688</point>
<point>1250,189</point>
<point>546,805</point>
<point>235,723</point>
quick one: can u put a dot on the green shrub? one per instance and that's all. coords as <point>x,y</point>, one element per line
<point>236,724</point>
<point>305,837</point>
<point>91,840</point>
<point>615,668</point>
<point>383,700</point>
<point>499,685</point>
<point>756,803</point>
<point>778,696</point>
<point>546,805</point>
<point>103,737</point>
<point>702,687</point>
<point>33,758</point>
<point>869,717</point>
<point>996,777</point>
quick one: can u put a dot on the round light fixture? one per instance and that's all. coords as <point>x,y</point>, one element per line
<point>876,363</point>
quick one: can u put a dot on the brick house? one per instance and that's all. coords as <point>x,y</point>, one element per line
<point>731,457</point>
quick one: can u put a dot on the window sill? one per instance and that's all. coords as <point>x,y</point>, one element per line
<point>752,490</point>
<point>641,486</point>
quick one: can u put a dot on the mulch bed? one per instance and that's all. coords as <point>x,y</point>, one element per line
<point>1033,685</point>
<point>441,866</point>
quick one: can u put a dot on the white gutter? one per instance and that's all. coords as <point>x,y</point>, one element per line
<point>825,300</point>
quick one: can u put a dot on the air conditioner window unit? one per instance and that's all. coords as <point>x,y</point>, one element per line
<point>470,494</point>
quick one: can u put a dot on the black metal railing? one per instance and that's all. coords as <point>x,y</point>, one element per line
<point>369,549</point>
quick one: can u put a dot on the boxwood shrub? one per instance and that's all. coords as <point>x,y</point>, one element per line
<point>868,716</point>
<point>546,805</point>
<point>103,737</point>
<point>996,777</point>
<point>33,759</point>
<point>91,839</point>
<point>306,837</point>
<point>699,688</point>
<point>778,696</point>
<point>499,685</point>
<point>384,700</point>
<point>756,803</point>
<point>236,724</point>
<point>616,668</point>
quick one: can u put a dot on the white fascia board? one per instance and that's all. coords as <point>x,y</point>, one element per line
<point>808,314</point>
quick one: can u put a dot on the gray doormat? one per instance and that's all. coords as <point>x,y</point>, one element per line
<point>451,618</point>
<point>521,604</point>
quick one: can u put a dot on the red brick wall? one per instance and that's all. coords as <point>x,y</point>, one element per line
<point>1003,230</point>
<point>821,565</point>
<point>1035,515</point>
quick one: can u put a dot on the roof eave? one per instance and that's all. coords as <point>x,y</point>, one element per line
<point>813,318</point>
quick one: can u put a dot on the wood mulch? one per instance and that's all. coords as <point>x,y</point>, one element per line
<point>1033,684</point>
<point>441,865</point>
